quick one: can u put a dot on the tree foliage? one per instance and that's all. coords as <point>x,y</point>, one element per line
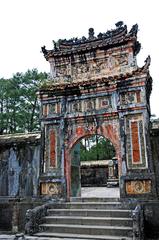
<point>19,105</point>
<point>96,148</point>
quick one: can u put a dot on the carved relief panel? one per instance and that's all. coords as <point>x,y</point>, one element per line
<point>138,187</point>
<point>63,71</point>
<point>84,67</point>
<point>51,108</point>
<point>104,102</point>
<point>130,97</point>
<point>89,105</point>
<point>75,106</point>
<point>50,188</point>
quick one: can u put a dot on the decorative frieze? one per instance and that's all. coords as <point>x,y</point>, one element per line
<point>84,67</point>
<point>88,105</point>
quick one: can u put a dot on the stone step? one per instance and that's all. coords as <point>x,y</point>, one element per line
<point>93,199</point>
<point>90,205</point>
<point>88,229</point>
<point>94,219</point>
<point>120,213</point>
<point>108,221</point>
<point>64,236</point>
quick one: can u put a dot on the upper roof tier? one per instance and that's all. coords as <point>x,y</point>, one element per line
<point>112,38</point>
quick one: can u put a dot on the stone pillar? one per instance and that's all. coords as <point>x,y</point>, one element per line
<point>112,173</point>
<point>15,218</point>
<point>52,179</point>
<point>139,180</point>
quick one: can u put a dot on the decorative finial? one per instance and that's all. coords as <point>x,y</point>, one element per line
<point>119,24</point>
<point>91,33</point>
<point>147,63</point>
<point>134,30</point>
<point>55,45</point>
<point>44,50</point>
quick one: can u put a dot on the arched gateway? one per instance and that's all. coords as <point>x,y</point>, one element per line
<point>96,87</point>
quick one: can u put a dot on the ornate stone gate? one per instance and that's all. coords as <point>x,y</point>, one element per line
<point>96,87</point>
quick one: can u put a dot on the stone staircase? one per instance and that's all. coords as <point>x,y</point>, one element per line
<point>88,218</point>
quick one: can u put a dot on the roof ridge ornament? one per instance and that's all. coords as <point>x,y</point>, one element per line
<point>91,33</point>
<point>147,63</point>
<point>43,49</point>
<point>134,30</point>
<point>119,24</point>
<point>109,38</point>
<point>120,27</point>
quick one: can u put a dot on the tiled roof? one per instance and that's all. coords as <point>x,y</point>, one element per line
<point>20,138</point>
<point>106,40</point>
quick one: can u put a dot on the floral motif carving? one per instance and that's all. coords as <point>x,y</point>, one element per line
<point>50,189</point>
<point>138,187</point>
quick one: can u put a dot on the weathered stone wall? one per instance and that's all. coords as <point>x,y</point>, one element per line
<point>19,165</point>
<point>13,212</point>
<point>19,178</point>
<point>151,220</point>
<point>5,217</point>
<point>155,155</point>
<point>151,208</point>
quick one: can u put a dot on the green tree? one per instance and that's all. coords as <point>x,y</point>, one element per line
<point>19,105</point>
<point>4,85</point>
<point>98,148</point>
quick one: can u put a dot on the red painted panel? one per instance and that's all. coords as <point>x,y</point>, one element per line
<point>45,110</point>
<point>135,142</point>
<point>52,149</point>
<point>58,108</point>
<point>79,130</point>
<point>138,97</point>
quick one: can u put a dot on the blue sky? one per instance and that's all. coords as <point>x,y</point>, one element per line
<point>26,25</point>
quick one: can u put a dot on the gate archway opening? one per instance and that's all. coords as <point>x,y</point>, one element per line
<point>94,167</point>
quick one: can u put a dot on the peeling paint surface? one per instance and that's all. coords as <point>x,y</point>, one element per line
<point>20,164</point>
